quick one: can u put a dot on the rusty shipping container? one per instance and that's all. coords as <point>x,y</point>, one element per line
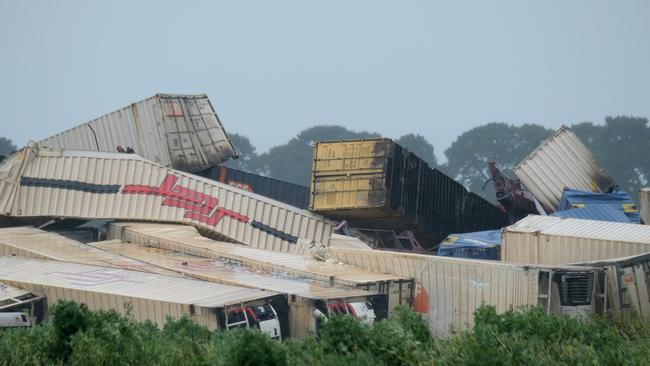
<point>148,296</point>
<point>176,131</point>
<point>377,184</point>
<point>38,182</point>
<point>562,161</point>
<point>449,290</point>
<point>644,197</point>
<point>289,193</point>
<point>556,240</point>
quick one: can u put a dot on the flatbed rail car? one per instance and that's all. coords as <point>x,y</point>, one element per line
<point>306,298</point>
<point>148,296</point>
<point>181,239</point>
<point>556,240</point>
<point>38,182</point>
<point>377,184</point>
<point>30,242</point>
<point>176,131</point>
<point>449,290</point>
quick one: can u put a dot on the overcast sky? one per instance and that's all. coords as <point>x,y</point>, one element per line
<point>273,68</point>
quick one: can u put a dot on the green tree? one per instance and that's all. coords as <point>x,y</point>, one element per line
<point>6,146</point>
<point>419,145</point>
<point>247,159</point>
<point>467,157</point>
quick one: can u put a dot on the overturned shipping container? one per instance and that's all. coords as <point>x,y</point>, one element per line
<point>37,182</point>
<point>292,194</point>
<point>306,298</point>
<point>449,290</point>
<point>562,161</point>
<point>644,197</point>
<point>554,240</point>
<point>176,131</point>
<point>15,300</point>
<point>377,184</point>
<point>146,296</point>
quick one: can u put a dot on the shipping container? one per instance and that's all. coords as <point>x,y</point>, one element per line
<point>595,212</point>
<point>572,198</point>
<point>555,240</point>
<point>305,297</point>
<point>15,300</point>
<point>476,245</point>
<point>30,242</point>
<point>562,161</point>
<point>289,193</point>
<point>98,185</point>
<point>627,284</point>
<point>644,197</point>
<point>145,296</point>
<point>377,184</point>
<point>176,131</point>
<point>449,290</point>
<point>397,288</point>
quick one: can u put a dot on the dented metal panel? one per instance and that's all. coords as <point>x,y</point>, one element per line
<point>644,198</point>
<point>149,296</point>
<point>30,242</point>
<point>99,185</point>
<point>562,161</point>
<point>555,240</point>
<point>177,131</point>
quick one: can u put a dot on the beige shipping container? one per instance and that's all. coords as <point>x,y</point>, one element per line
<point>99,185</point>
<point>148,296</point>
<point>644,197</point>
<point>305,296</point>
<point>449,290</point>
<point>555,240</point>
<point>179,239</point>
<point>562,161</point>
<point>30,242</point>
<point>176,131</point>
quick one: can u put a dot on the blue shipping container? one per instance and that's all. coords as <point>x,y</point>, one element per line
<point>476,245</point>
<point>620,200</point>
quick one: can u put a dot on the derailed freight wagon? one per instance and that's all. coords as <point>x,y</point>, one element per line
<point>449,290</point>
<point>377,184</point>
<point>398,289</point>
<point>147,296</point>
<point>562,161</point>
<point>555,240</point>
<point>37,182</point>
<point>176,131</point>
<point>309,301</point>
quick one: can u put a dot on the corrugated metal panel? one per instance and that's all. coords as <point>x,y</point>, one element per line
<point>595,212</point>
<point>97,185</point>
<point>179,131</point>
<point>562,161</point>
<point>159,236</point>
<point>30,242</point>
<point>554,240</point>
<point>377,184</point>
<point>9,293</point>
<point>292,194</point>
<point>150,296</point>
<point>644,197</point>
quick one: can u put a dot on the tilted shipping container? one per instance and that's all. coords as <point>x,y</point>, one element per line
<point>556,240</point>
<point>176,131</point>
<point>292,194</point>
<point>377,184</point>
<point>449,290</point>
<point>39,182</point>
<point>305,298</point>
<point>644,197</point>
<point>147,296</point>
<point>562,161</point>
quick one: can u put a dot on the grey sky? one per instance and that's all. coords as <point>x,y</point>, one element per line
<point>272,68</point>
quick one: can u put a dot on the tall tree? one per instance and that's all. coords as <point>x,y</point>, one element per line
<point>247,159</point>
<point>467,157</point>
<point>292,161</point>
<point>418,145</point>
<point>6,146</point>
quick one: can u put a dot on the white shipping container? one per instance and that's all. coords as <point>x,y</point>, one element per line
<point>149,296</point>
<point>176,131</point>
<point>644,197</point>
<point>557,240</point>
<point>449,290</point>
<point>99,185</point>
<point>562,161</point>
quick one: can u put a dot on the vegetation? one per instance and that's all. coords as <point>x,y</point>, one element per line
<point>529,337</point>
